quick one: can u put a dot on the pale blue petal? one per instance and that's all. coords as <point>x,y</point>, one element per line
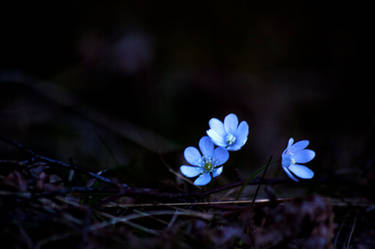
<point>202,179</point>
<point>217,139</point>
<point>301,171</point>
<point>190,171</point>
<point>286,160</point>
<point>206,146</point>
<point>217,126</point>
<point>236,146</point>
<point>216,172</point>
<point>220,156</point>
<point>284,152</point>
<point>290,142</point>
<point>242,132</point>
<point>300,145</point>
<point>193,156</point>
<point>290,174</point>
<point>303,156</point>
<point>231,123</point>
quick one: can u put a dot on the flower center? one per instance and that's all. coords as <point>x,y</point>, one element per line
<point>230,139</point>
<point>288,159</point>
<point>207,164</point>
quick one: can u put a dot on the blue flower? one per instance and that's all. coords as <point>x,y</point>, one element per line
<point>205,166</point>
<point>296,153</point>
<point>229,134</point>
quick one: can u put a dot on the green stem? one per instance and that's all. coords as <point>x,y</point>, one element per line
<point>261,179</point>
<point>252,176</point>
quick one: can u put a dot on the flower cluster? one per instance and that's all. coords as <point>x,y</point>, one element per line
<point>227,136</point>
<point>231,136</point>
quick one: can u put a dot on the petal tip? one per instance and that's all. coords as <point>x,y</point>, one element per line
<point>202,180</point>
<point>290,142</point>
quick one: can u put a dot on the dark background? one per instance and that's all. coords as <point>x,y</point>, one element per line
<point>128,85</point>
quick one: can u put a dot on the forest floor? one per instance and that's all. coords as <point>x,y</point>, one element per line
<point>47,203</point>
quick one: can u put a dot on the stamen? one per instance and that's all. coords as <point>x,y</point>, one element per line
<point>207,164</point>
<point>230,139</point>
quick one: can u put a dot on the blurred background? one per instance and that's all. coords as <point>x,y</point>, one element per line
<point>127,85</point>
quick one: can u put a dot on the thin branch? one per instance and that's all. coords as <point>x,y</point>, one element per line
<point>77,189</point>
<point>151,217</point>
<point>241,182</point>
<point>25,195</point>
<point>53,238</point>
<point>334,202</point>
<point>134,225</point>
<point>116,220</point>
<point>25,236</point>
<point>174,172</point>
<point>15,162</point>
<point>172,221</point>
<point>206,203</point>
<point>153,193</point>
<point>351,231</point>
<point>249,179</point>
<point>34,155</point>
<point>263,175</point>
